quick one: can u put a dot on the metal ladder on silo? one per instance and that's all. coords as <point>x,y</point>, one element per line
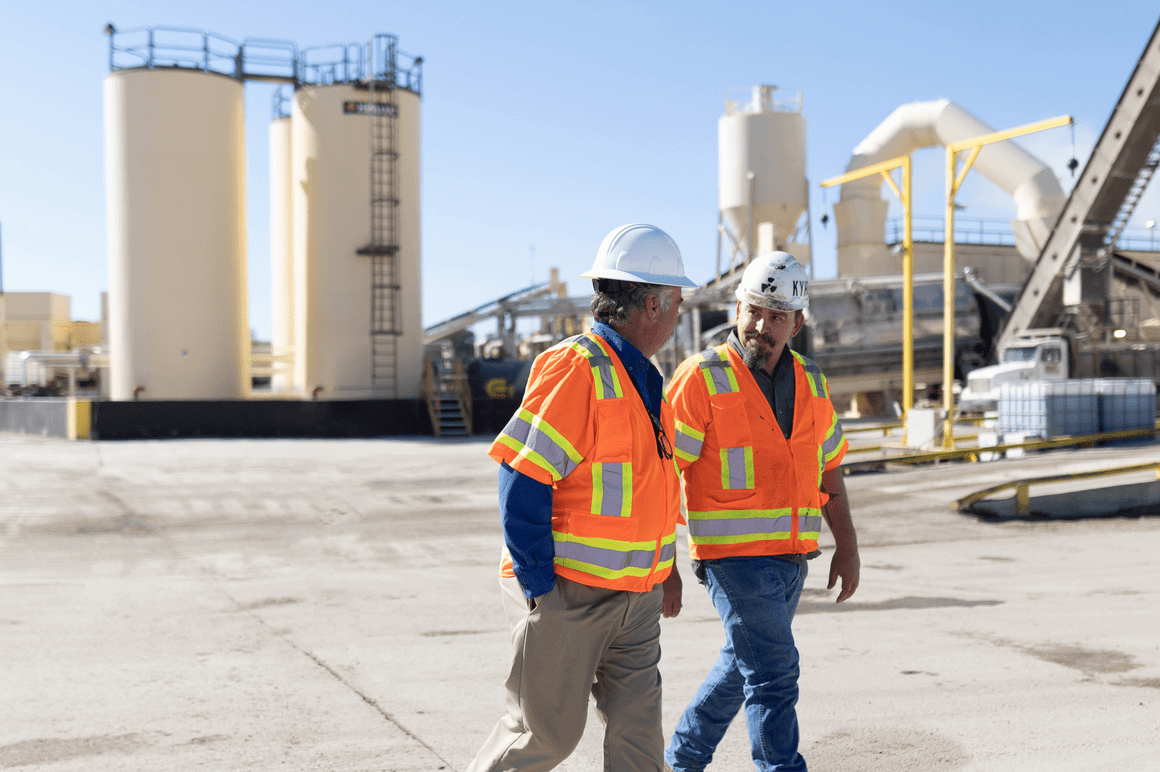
<point>383,249</point>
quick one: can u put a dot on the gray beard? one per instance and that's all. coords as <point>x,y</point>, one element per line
<point>752,357</point>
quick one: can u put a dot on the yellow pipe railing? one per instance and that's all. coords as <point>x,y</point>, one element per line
<point>1023,495</point>
<point>973,453</point>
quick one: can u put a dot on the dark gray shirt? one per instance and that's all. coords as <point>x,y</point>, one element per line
<point>778,388</point>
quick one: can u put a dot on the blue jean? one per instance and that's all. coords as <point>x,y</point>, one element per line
<point>758,667</point>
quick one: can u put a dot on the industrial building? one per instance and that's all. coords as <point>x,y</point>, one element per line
<point>348,354</point>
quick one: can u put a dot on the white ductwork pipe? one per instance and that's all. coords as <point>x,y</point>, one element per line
<point>860,216</point>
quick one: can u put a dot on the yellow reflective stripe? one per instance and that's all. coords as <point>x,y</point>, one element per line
<point>744,538</point>
<point>732,378</point>
<point>688,442</point>
<point>597,487</point>
<point>540,425</point>
<point>601,571</point>
<point>524,451</point>
<point>735,514</point>
<point>623,495</point>
<point>809,512</point>
<point>614,551</point>
<point>731,470</point>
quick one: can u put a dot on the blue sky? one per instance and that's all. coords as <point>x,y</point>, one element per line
<point>547,124</point>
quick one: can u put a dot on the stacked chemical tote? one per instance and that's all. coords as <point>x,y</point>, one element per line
<point>344,179</point>
<point>1045,409</point>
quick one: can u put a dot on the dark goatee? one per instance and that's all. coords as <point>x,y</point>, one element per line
<point>752,356</point>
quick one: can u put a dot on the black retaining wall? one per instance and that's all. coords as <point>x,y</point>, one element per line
<point>277,418</point>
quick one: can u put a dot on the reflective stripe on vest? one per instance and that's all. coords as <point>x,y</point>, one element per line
<point>718,372</point>
<point>534,438</point>
<point>603,373</point>
<point>611,482</point>
<point>820,388</point>
<point>737,468</point>
<point>739,526</point>
<point>689,442</point>
<point>611,558</point>
<point>612,489</point>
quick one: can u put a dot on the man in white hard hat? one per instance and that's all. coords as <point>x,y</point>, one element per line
<point>758,444</point>
<point>589,496</point>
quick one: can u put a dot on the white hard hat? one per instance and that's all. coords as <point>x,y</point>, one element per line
<point>775,280</point>
<point>641,253</point>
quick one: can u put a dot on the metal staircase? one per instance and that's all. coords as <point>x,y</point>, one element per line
<point>448,397</point>
<point>1102,201</point>
<point>383,249</point>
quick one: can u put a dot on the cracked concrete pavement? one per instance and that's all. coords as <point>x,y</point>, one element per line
<point>298,604</point>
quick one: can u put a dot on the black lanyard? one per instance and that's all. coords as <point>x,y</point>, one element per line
<point>664,447</point>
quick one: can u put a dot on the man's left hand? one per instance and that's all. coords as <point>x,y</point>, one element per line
<point>847,565</point>
<point>672,594</point>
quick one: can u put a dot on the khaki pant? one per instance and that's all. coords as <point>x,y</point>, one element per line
<point>579,640</point>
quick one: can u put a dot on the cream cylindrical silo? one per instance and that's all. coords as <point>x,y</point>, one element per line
<point>175,182</point>
<point>281,255</point>
<point>331,184</point>
<point>761,157</point>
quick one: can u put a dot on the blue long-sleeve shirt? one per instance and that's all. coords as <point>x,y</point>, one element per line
<point>525,505</point>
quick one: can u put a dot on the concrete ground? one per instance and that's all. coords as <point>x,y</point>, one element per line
<point>331,605</point>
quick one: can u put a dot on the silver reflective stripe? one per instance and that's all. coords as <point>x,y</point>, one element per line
<point>815,376</point>
<point>739,526</point>
<point>833,441</point>
<point>719,369</point>
<point>517,428</point>
<point>551,452</point>
<point>613,560</point>
<point>668,552</point>
<point>602,362</point>
<point>736,458</point>
<point>612,498</point>
<point>687,444</point>
<point>811,524</point>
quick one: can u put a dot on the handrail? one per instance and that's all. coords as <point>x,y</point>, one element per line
<point>265,59</point>
<point>1023,496</point>
<point>972,453</point>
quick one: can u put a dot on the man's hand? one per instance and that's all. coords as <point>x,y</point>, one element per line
<point>848,565</point>
<point>672,593</point>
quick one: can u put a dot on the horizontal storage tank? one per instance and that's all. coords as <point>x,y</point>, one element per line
<point>174,183</point>
<point>331,174</point>
<point>281,255</point>
<point>764,135</point>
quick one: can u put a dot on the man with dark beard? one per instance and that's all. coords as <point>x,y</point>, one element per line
<point>758,444</point>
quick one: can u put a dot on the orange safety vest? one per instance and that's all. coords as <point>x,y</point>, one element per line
<point>748,489</point>
<point>583,429</point>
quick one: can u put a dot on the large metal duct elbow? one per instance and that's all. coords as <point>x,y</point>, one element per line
<point>860,215</point>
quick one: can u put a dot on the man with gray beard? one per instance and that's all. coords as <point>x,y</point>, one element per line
<point>758,444</point>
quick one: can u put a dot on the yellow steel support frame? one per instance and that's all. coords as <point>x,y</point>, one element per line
<point>954,181</point>
<point>885,168</point>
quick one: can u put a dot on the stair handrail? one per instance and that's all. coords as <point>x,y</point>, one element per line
<point>431,390</point>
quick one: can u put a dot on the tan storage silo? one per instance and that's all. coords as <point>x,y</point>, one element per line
<point>331,161</point>
<point>174,183</point>
<point>281,255</point>
<point>761,161</point>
